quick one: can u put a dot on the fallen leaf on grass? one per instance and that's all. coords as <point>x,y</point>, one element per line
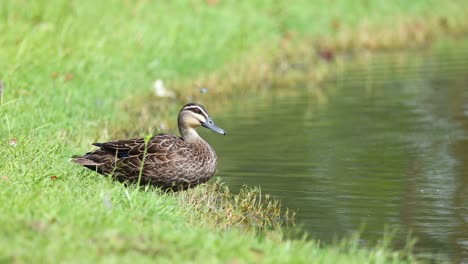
<point>54,75</point>
<point>212,2</point>
<point>327,54</point>
<point>68,77</point>
<point>335,24</point>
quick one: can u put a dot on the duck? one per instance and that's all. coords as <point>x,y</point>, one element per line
<point>163,160</point>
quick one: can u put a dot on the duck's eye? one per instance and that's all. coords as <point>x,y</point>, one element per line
<point>196,110</point>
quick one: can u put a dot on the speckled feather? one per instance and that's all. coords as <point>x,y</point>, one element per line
<point>170,162</point>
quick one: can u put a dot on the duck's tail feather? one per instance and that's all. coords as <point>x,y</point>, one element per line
<point>100,161</point>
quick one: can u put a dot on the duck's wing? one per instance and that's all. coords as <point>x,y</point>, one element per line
<point>121,146</point>
<point>102,160</point>
<point>161,155</point>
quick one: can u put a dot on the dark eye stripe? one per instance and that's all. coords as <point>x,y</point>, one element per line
<point>197,110</point>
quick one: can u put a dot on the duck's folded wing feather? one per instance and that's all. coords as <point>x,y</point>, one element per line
<point>160,152</point>
<point>121,145</point>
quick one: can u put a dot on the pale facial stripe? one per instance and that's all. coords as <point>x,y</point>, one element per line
<point>203,112</point>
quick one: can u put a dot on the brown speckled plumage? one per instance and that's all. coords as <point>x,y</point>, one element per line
<point>169,162</point>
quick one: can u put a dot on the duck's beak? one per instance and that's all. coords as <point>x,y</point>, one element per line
<point>212,126</point>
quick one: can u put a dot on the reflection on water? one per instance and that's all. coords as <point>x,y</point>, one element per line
<point>384,144</point>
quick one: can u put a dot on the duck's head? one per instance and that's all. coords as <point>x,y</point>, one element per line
<point>193,115</point>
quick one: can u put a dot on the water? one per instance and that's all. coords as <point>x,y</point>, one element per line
<point>385,144</point>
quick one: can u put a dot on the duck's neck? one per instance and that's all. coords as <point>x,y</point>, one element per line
<point>190,135</point>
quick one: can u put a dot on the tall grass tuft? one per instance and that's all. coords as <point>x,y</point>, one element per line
<point>214,205</point>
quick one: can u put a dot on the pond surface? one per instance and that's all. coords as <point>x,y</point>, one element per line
<point>385,144</point>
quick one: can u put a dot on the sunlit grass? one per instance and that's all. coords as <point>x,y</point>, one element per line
<point>213,205</point>
<point>66,68</point>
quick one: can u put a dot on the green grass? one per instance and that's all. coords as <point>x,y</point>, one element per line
<point>67,66</point>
